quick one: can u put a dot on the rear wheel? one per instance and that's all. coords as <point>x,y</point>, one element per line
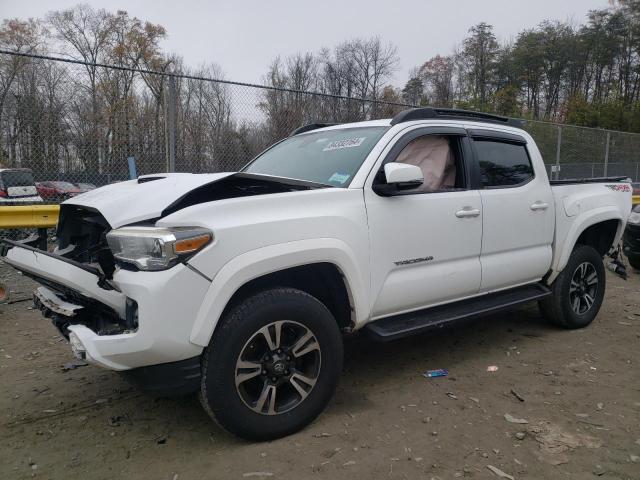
<point>272,365</point>
<point>578,291</point>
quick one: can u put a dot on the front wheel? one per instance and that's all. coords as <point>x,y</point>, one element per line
<point>272,364</point>
<point>578,291</point>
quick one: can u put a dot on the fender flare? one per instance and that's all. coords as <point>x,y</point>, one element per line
<point>581,223</point>
<point>263,261</point>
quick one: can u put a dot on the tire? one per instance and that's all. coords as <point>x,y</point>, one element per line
<point>560,307</point>
<point>240,396</point>
<point>634,261</point>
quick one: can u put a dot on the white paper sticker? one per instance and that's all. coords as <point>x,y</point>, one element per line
<point>346,143</point>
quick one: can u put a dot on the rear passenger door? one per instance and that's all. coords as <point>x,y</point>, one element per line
<point>518,214</point>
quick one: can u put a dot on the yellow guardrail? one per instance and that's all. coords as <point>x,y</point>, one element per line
<point>636,199</point>
<point>29,216</point>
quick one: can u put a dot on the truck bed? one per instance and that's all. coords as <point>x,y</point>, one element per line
<point>571,181</point>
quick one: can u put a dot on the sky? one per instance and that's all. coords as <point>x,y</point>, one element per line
<point>244,36</point>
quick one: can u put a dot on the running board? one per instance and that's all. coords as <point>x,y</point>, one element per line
<point>398,326</point>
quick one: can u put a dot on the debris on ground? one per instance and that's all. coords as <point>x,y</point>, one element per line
<point>73,365</point>
<point>441,372</point>
<point>496,471</point>
<point>511,419</point>
<point>555,442</point>
<point>517,395</point>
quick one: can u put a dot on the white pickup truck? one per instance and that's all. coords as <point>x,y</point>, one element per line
<point>239,285</point>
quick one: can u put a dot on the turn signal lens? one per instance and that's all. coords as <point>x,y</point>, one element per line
<point>189,245</point>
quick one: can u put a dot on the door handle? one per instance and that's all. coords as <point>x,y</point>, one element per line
<point>467,212</point>
<point>539,206</point>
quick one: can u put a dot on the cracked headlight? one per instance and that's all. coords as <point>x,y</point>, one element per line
<point>156,248</point>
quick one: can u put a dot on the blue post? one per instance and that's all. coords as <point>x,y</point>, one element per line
<point>132,168</point>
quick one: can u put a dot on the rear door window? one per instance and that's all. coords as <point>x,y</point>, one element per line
<point>17,178</point>
<point>503,164</point>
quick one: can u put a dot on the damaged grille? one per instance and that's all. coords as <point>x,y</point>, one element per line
<point>82,238</point>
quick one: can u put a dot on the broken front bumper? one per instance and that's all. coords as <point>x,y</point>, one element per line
<point>136,319</point>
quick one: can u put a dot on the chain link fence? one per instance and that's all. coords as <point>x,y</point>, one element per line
<point>580,152</point>
<point>81,123</point>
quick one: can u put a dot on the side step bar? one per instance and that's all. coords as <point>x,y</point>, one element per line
<point>398,326</point>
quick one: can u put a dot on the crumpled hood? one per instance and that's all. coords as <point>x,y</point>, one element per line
<point>136,200</point>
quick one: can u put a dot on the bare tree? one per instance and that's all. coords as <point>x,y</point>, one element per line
<point>19,36</point>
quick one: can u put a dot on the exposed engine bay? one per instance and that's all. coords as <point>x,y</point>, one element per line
<point>81,237</point>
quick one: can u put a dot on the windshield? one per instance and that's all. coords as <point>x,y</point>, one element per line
<point>329,157</point>
<point>17,178</point>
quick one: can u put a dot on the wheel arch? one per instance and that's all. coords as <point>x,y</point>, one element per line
<point>324,268</point>
<point>600,229</point>
<point>600,236</point>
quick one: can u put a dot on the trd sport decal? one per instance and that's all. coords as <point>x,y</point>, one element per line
<point>620,187</point>
<point>413,260</point>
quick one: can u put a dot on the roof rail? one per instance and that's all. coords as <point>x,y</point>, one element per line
<point>430,113</point>
<point>309,127</point>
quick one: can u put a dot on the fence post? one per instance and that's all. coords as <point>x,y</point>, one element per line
<point>170,125</point>
<point>606,154</point>
<point>558,152</point>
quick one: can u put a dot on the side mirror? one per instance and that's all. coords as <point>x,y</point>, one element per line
<point>400,176</point>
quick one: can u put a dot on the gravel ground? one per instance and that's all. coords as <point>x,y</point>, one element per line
<point>577,391</point>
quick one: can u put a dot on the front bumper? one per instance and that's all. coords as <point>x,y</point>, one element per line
<point>167,303</point>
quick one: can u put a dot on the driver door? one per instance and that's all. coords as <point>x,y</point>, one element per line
<point>425,242</point>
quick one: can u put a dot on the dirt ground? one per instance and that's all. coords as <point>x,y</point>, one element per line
<point>580,394</point>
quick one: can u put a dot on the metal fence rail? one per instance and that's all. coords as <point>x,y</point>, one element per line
<point>81,122</point>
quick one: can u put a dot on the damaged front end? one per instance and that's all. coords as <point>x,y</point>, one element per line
<point>120,287</point>
<point>76,278</point>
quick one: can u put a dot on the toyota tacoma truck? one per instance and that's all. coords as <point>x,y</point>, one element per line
<point>240,285</point>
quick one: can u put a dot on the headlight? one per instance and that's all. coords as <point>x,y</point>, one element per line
<point>152,248</point>
<point>634,218</point>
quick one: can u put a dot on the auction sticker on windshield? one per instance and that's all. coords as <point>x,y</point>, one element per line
<point>339,178</point>
<point>346,143</point>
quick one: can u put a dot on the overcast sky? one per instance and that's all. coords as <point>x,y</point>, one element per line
<point>243,36</point>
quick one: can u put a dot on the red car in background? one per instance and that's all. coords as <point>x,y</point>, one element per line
<point>84,186</point>
<point>57,190</point>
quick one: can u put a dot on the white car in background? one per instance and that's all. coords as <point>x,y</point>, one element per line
<point>17,186</point>
<point>238,285</point>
